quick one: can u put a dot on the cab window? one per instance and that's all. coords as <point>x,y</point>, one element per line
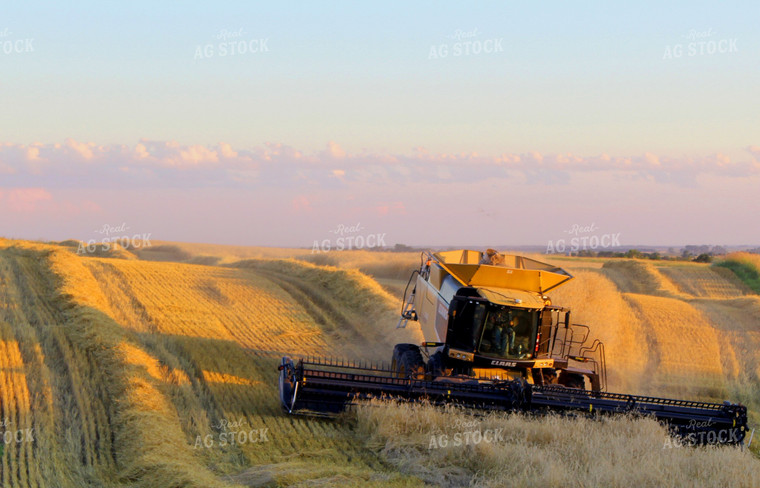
<point>508,333</point>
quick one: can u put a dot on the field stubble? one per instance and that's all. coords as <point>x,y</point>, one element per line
<point>121,366</point>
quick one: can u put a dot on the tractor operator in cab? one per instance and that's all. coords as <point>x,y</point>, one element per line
<point>502,327</point>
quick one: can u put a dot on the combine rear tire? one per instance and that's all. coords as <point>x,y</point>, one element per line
<point>572,380</point>
<point>407,361</point>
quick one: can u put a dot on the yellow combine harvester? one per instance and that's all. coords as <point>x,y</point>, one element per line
<point>496,322</point>
<point>494,341</point>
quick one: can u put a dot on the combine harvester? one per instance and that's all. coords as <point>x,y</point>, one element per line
<point>499,344</point>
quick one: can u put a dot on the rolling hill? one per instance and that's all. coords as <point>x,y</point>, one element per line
<point>123,371</point>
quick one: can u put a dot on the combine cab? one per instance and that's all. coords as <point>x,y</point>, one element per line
<point>494,341</point>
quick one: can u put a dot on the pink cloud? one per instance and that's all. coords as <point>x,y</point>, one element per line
<point>227,151</point>
<point>141,152</point>
<point>32,153</point>
<point>301,204</point>
<point>83,150</point>
<point>335,151</point>
<point>391,208</point>
<point>197,155</point>
<point>652,160</point>
<point>25,199</point>
<point>77,164</point>
<point>273,151</point>
<point>39,201</point>
<point>755,152</point>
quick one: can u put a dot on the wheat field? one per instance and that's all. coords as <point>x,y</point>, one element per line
<point>681,330</point>
<point>453,448</point>
<point>121,371</point>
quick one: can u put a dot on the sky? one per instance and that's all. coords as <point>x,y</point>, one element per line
<point>424,123</point>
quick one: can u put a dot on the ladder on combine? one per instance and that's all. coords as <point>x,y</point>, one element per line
<point>407,312</point>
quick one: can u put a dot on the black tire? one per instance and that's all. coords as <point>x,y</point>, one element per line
<point>545,377</point>
<point>519,393</point>
<point>399,351</point>
<point>572,380</point>
<point>407,361</point>
<point>435,365</point>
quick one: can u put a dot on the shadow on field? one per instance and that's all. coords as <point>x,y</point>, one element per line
<point>225,375</point>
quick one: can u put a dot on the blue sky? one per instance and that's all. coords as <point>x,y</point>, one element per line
<point>588,79</point>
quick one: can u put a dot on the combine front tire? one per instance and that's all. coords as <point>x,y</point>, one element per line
<point>407,361</point>
<point>435,367</point>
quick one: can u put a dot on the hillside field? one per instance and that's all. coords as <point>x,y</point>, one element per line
<point>158,368</point>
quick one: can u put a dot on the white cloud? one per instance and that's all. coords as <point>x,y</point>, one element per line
<point>76,164</point>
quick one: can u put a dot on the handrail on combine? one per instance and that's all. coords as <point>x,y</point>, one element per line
<point>570,347</point>
<point>596,350</point>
